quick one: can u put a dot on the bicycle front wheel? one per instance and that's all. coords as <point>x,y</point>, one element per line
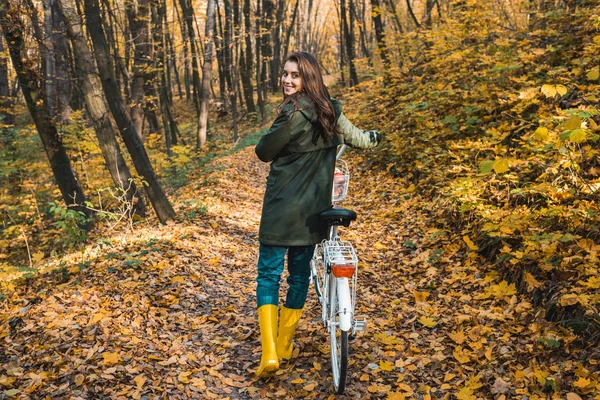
<point>338,340</point>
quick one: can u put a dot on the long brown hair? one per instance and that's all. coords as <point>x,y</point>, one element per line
<point>313,86</point>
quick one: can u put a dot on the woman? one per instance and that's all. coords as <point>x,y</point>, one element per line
<point>301,146</point>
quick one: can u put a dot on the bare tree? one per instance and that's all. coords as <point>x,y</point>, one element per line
<point>206,72</point>
<point>33,90</point>
<point>134,144</point>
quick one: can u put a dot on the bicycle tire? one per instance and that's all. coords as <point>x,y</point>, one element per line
<point>339,342</point>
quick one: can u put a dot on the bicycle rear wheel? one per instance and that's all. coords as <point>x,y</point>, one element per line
<point>339,341</point>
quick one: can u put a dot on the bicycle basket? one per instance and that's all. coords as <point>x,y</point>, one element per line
<point>341,178</point>
<point>340,257</point>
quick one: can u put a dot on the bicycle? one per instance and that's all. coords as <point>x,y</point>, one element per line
<point>334,270</point>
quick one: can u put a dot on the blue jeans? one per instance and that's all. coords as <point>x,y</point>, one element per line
<point>270,268</point>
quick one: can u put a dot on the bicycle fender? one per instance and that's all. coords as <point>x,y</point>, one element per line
<point>344,304</point>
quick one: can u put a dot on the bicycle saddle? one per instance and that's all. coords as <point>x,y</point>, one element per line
<point>337,216</point>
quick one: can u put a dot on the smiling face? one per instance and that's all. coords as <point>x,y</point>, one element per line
<point>291,79</point>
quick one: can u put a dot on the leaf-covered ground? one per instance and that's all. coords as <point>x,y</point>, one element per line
<point>169,311</point>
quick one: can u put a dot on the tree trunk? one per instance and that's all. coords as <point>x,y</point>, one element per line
<point>188,17</point>
<point>59,89</point>
<point>231,71</point>
<point>380,33</point>
<point>395,18</point>
<point>35,97</point>
<point>246,62</point>
<point>91,89</point>
<point>6,100</point>
<point>266,40</point>
<point>349,41</point>
<point>134,144</point>
<point>286,43</point>
<point>186,59</point>
<point>171,131</point>
<point>138,18</point>
<point>206,72</point>
<point>219,36</point>
<point>259,67</point>
<point>276,34</point>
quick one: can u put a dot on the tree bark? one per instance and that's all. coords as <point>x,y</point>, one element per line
<point>171,131</point>
<point>246,62</point>
<point>286,43</point>
<point>231,70</point>
<point>266,40</point>
<point>186,59</point>
<point>138,18</point>
<point>35,97</point>
<point>206,73</point>
<point>380,33</point>
<point>259,67</point>
<point>91,89</point>
<point>134,144</point>
<point>188,17</point>
<point>276,34</point>
<point>349,41</point>
<point>59,89</point>
<point>6,99</point>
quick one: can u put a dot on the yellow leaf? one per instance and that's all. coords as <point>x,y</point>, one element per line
<point>386,365</point>
<point>427,322</point>
<point>449,377</point>
<point>363,378</point>
<point>298,381</point>
<point>99,316</point>
<point>396,396</point>
<point>462,356</point>
<point>503,289</point>
<point>421,296</point>
<point>198,383</point>
<point>532,283</point>
<point>184,376</point>
<point>561,89</point>
<point>139,381</point>
<point>593,124</point>
<point>37,257</point>
<point>458,337</point>
<point>79,379</point>
<point>541,134</point>
<point>593,74</point>
<point>379,246</point>
<point>178,279</point>
<point>111,358</point>
<point>488,353</point>
<point>500,165</point>
<point>569,300</point>
<point>310,387</point>
<point>405,387</point>
<point>573,396</point>
<point>549,90</point>
<point>465,394</point>
<point>582,383</point>
<point>574,121</point>
<point>373,389</point>
<point>470,243</point>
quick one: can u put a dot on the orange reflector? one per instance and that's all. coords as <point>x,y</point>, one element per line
<point>343,271</point>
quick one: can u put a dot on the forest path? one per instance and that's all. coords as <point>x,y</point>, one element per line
<point>169,311</point>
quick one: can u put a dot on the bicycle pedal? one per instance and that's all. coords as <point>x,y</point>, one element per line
<point>360,324</point>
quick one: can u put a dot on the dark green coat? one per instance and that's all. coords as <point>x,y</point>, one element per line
<point>301,177</point>
<point>300,180</point>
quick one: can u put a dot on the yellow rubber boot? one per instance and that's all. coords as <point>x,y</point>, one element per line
<point>287,328</point>
<point>267,320</point>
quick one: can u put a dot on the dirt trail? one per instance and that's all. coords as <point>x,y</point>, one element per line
<point>169,312</point>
